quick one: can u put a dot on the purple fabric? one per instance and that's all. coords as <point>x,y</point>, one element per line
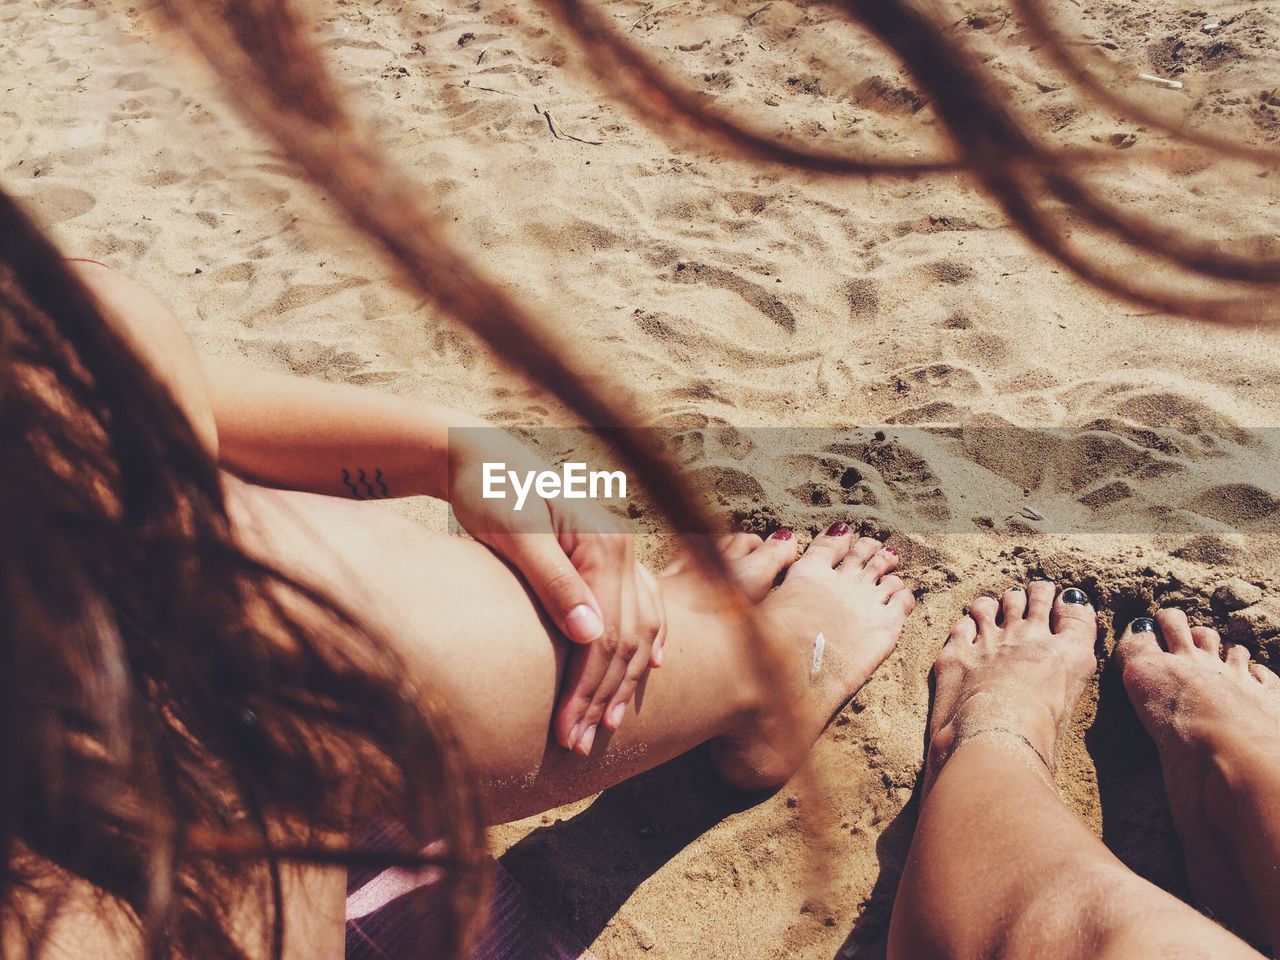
<point>395,914</point>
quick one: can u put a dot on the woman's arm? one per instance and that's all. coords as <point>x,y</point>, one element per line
<point>358,443</point>
<point>345,441</point>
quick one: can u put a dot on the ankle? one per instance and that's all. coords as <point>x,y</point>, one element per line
<point>738,689</point>
<point>1236,775</point>
<point>987,712</point>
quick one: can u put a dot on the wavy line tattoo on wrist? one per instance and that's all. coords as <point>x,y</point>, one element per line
<point>362,487</point>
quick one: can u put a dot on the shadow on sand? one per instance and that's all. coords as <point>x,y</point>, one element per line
<point>585,868</point>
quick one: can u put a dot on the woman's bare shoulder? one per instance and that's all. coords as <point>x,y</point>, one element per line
<point>158,337</point>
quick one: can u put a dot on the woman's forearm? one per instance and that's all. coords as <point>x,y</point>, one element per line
<point>301,434</point>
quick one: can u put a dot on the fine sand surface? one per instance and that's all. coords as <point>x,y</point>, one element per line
<point>725,296</point>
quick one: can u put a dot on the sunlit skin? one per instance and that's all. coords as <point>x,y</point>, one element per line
<point>999,867</point>
<point>469,628</point>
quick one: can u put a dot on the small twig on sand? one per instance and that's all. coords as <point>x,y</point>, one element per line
<point>481,57</point>
<point>650,12</point>
<point>560,134</point>
<point>756,12</point>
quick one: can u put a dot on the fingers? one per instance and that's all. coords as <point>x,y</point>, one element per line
<point>604,678</point>
<point>608,703</point>
<point>654,606</point>
<point>606,562</point>
<point>558,584</point>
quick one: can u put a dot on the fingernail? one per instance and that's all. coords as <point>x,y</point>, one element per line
<point>838,529</point>
<point>616,713</point>
<point>659,655</point>
<point>588,738</point>
<point>573,734</point>
<point>782,533</point>
<point>1143,625</point>
<point>583,625</point>
<point>1072,595</point>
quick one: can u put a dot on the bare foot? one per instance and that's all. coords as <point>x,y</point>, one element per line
<point>1215,718</point>
<point>1013,670</point>
<point>754,564</point>
<point>844,590</point>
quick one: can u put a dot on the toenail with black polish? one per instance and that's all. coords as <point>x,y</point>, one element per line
<point>1143,625</point>
<point>1072,595</point>
<point>838,529</point>
<point>1017,590</point>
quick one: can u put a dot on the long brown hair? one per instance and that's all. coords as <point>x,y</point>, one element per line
<point>179,718</point>
<point>177,713</point>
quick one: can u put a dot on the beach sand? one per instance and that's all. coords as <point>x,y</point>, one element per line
<point>727,298</point>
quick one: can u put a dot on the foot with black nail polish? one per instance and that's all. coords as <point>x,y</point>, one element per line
<point>833,620</point>
<point>1215,718</point>
<point>1012,672</point>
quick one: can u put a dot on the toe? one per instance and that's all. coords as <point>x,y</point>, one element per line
<point>758,570</point>
<point>830,547</point>
<point>1013,604</point>
<point>1263,675</point>
<point>1073,614</point>
<point>888,586</point>
<point>1138,638</point>
<point>1040,594</point>
<point>885,560</point>
<point>965,630</point>
<point>902,602</point>
<point>1207,640</point>
<point>983,610</point>
<point>738,545</point>
<point>1175,631</point>
<point>1238,658</point>
<point>862,550</point>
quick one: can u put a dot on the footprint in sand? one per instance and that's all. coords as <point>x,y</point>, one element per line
<point>55,203</point>
<point>754,294</point>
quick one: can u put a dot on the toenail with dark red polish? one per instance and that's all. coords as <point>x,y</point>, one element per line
<point>838,529</point>
<point>1143,625</point>
<point>1072,595</point>
<point>782,533</point>
<point>889,549</point>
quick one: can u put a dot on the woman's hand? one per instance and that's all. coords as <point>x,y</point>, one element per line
<point>579,560</point>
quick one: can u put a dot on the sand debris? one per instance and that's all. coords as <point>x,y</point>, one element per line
<point>1160,81</point>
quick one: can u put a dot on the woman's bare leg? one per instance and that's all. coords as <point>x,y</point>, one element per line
<point>468,629</point>
<point>999,867</point>
<point>1215,718</point>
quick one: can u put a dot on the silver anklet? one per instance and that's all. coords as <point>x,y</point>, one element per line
<point>1008,733</point>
